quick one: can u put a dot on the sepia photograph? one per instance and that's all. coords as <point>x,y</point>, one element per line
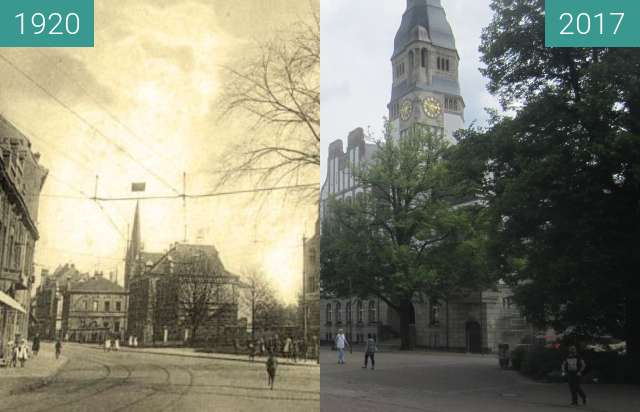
<point>159,210</point>
<point>479,206</point>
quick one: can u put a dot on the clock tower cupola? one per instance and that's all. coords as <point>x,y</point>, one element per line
<point>425,62</point>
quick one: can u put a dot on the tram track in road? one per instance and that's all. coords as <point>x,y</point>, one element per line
<point>154,391</point>
<point>56,381</point>
<point>76,389</point>
<point>183,393</point>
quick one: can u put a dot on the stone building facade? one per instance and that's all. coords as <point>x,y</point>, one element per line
<point>21,181</point>
<point>179,292</point>
<point>94,309</point>
<point>426,95</point>
<point>49,299</point>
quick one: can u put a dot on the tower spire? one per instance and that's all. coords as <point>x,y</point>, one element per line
<point>133,250</point>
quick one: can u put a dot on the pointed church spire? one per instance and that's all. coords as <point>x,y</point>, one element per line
<point>133,249</point>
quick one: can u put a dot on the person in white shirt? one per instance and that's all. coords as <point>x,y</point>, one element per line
<point>341,343</point>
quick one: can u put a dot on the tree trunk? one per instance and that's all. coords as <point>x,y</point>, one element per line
<point>633,338</point>
<point>406,343</point>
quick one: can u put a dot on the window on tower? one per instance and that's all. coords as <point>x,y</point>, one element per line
<point>447,65</point>
<point>424,57</point>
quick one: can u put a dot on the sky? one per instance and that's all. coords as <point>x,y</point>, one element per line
<point>140,107</point>
<point>357,43</point>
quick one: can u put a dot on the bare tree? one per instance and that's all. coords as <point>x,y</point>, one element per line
<point>266,311</point>
<point>278,89</point>
<point>203,291</point>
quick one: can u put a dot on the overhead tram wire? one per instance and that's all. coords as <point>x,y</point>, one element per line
<point>87,197</point>
<point>188,196</point>
<point>109,113</point>
<point>83,164</point>
<point>88,123</point>
<point>207,195</point>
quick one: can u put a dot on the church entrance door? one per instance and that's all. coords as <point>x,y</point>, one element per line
<point>474,337</point>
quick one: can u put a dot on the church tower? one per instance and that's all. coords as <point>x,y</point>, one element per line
<point>133,249</point>
<point>426,91</point>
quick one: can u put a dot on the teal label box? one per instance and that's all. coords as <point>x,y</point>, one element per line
<point>592,23</point>
<point>46,23</point>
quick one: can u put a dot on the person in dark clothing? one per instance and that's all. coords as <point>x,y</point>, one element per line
<point>58,348</point>
<point>272,365</point>
<point>370,352</point>
<point>573,367</point>
<point>35,348</point>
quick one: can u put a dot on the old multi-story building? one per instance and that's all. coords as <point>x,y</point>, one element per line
<point>49,299</point>
<point>94,309</point>
<point>21,181</point>
<point>425,94</point>
<point>182,295</point>
<point>311,285</point>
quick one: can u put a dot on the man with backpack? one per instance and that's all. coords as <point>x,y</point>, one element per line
<point>573,367</point>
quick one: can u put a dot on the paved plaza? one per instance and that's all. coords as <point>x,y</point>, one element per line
<point>439,382</point>
<point>92,380</point>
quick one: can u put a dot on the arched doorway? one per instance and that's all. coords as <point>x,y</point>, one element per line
<point>474,337</point>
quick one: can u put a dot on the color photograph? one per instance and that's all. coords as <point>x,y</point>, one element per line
<point>479,208</point>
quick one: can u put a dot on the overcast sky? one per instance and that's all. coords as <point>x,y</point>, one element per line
<point>148,89</point>
<point>357,43</point>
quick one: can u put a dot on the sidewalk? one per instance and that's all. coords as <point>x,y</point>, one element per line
<point>36,372</point>
<point>192,353</point>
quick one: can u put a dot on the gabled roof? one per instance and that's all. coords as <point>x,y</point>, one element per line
<point>181,252</point>
<point>96,285</point>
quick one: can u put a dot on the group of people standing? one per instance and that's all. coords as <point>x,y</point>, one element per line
<point>19,353</point>
<point>289,348</point>
<point>111,344</point>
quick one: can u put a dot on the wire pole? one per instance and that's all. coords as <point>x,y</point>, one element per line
<point>95,190</point>
<point>184,204</point>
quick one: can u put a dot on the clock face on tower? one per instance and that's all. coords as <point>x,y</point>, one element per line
<point>405,109</point>
<point>432,107</point>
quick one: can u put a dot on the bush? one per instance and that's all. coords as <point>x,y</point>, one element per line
<point>540,362</point>
<point>517,357</point>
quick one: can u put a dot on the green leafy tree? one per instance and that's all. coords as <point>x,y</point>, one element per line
<point>403,237</point>
<point>561,177</point>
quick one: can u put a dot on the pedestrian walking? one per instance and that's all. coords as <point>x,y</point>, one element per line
<point>35,348</point>
<point>130,341</point>
<point>252,350</point>
<point>58,348</point>
<point>294,349</point>
<point>107,344</point>
<point>286,351</point>
<point>370,350</point>
<point>22,353</point>
<point>341,342</point>
<point>135,342</point>
<point>573,367</point>
<point>272,365</point>
<point>116,344</point>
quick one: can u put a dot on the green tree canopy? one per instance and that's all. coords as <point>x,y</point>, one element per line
<point>561,177</point>
<point>412,232</point>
